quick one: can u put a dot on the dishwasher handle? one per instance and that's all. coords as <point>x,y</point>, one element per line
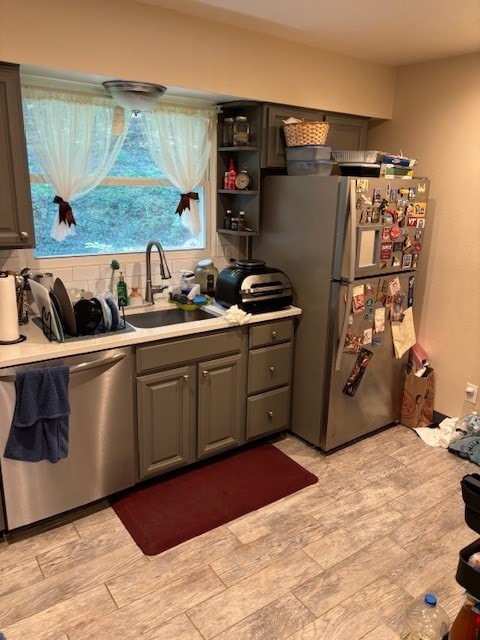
<point>83,366</point>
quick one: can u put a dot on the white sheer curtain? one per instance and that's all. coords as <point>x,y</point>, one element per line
<point>75,138</point>
<point>179,139</point>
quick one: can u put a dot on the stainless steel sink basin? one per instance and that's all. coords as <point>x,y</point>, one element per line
<point>163,318</point>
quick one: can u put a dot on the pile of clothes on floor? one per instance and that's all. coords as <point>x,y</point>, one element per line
<point>459,435</point>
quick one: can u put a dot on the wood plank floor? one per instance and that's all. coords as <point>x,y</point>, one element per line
<point>339,559</point>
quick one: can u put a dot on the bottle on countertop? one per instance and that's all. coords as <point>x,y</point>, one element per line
<point>466,625</point>
<point>425,620</point>
<point>135,298</point>
<point>122,295</point>
<point>187,279</point>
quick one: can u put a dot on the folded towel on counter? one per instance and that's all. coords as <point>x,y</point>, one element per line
<point>39,429</point>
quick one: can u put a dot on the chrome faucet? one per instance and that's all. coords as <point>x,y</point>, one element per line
<point>164,271</point>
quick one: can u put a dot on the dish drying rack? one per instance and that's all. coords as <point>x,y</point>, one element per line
<point>45,322</point>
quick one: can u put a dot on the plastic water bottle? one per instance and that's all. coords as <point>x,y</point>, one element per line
<point>425,620</point>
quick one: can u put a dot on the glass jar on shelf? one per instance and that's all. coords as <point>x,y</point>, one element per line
<point>227,132</point>
<point>241,132</point>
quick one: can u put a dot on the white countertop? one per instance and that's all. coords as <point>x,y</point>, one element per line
<point>37,347</point>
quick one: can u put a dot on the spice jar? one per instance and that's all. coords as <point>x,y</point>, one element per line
<point>241,220</point>
<point>227,219</point>
<point>241,132</point>
<point>227,138</point>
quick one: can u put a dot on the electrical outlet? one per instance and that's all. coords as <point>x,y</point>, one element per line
<point>471,393</point>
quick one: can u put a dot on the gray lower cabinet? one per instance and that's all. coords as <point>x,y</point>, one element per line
<point>221,399</point>
<point>270,360</point>
<point>16,217</point>
<point>166,419</point>
<point>190,399</point>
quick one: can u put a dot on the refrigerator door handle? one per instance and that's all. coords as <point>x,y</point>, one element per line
<point>344,329</point>
<point>352,232</point>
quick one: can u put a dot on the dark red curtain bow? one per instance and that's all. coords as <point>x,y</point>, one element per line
<point>185,201</point>
<point>64,211</point>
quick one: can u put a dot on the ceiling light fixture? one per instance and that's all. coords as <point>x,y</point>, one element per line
<point>134,96</point>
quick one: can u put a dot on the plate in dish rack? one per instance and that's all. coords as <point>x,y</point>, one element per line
<point>107,313</point>
<point>63,298</point>
<point>46,309</point>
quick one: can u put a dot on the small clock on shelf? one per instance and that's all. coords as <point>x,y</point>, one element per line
<point>242,180</point>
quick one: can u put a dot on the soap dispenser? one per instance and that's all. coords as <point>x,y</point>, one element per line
<point>122,296</point>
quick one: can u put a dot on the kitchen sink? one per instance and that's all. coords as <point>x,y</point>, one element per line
<point>163,318</point>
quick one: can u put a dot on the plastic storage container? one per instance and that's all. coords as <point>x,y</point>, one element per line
<point>309,152</point>
<point>309,168</point>
<point>425,620</point>
<point>467,576</point>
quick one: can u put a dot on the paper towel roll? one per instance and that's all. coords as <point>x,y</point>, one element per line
<point>9,327</point>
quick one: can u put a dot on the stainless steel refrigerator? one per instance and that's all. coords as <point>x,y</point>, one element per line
<point>351,247</point>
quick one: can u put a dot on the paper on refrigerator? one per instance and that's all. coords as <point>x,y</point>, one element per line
<point>403,333</point>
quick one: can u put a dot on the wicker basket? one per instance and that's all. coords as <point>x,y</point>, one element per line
<point>299,134</point>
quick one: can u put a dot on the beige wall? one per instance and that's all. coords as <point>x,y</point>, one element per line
<point>437,119</point>
<point>121,38</point>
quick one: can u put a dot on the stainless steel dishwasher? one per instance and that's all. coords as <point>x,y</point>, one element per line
<point>101,455</point>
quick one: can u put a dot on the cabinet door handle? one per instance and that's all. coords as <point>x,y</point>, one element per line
<point>272,370</point>
<point>270,414</point>
<point>24,235</point>
<point>186,377</point>
<point>273,335</point>
<point>204,373</point>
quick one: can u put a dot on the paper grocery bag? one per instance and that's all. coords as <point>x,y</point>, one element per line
<point>418,399</point>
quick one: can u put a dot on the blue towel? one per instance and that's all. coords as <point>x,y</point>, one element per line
<point>467,447</point>
<point>39,429</point>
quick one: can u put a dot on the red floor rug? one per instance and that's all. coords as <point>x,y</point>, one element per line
<point>164,513</point>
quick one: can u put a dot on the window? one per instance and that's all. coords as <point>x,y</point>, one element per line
<point>135,203</point>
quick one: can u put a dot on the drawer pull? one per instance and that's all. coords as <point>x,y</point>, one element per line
<point>272,370</point>
<point>24,235</point>
<point>273,335</point>
<point>186,377</point>
<point>270,414</point>
<point>204,373</point>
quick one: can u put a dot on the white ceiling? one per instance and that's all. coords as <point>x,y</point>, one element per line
<point>393,32</point>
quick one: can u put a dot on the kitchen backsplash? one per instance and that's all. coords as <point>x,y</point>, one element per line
<point>96,278</point>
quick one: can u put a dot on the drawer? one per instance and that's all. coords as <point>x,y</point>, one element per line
<point>268,412</point>
<point>270,333</point>
<point>170,352</point>
<point>269,367</point>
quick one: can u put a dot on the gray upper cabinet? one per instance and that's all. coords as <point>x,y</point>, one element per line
<point>16,217</point>
<point>346,132</point>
